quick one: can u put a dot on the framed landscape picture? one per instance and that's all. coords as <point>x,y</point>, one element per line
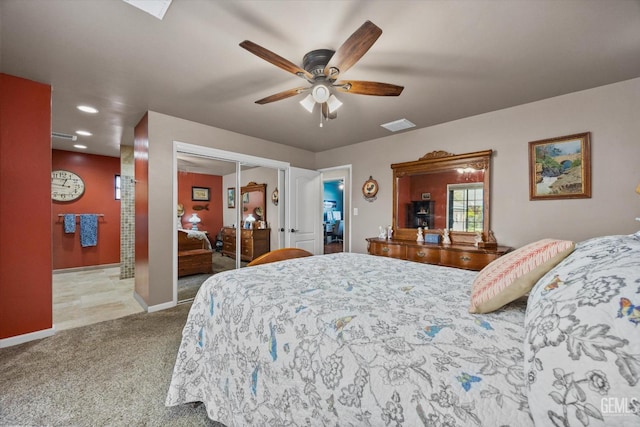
<point>560,168</point>
<point>231,197</point>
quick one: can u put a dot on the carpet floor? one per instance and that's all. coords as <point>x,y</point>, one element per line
<point>114,373</point>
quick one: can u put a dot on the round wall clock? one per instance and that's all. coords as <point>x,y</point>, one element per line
<point>370,189</point>
<point>66,186</point>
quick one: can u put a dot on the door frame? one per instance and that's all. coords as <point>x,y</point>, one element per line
<point>331,174</point>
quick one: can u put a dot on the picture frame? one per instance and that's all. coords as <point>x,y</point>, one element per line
<point>200,194</point>
<point>231,198</point>
<point>560,168</point>
<point>425,196</point>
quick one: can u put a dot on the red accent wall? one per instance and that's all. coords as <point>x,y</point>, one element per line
<point>98,173</point>
<point>141,167</point>
<point>211,217</point>
<point>25,206</point>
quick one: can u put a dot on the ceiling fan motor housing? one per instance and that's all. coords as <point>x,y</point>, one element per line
<point>315,61</point>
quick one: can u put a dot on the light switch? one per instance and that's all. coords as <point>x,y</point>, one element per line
<point>355,211</point>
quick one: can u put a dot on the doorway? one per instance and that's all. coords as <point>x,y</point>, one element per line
<point>336,210</point>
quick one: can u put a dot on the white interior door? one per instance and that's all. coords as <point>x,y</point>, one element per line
<point>304,201</point>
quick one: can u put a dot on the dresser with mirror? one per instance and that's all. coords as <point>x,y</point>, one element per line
<point>447,197</point>
<point>255,236</point>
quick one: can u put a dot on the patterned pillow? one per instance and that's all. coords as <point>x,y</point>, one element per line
<point>514,274</point>
<point>582,339</point>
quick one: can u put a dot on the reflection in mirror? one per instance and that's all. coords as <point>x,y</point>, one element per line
<point>443,191</point>
<point>465,207</point>
<point>426,200</point>
<point>254,204</point>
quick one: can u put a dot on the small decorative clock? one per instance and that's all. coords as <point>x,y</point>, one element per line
<point>370,189</point>
<point>66,186</point>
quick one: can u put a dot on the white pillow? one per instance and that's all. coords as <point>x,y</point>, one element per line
<point>514,274</point>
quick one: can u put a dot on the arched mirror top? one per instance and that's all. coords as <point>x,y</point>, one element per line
<point>254,201</point>
<point>442,191</point>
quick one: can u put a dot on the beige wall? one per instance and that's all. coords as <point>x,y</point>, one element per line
<point>610,113</point>
<point>163,130</point>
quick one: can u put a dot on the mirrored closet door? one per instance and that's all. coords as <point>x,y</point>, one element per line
<point>228,213</point>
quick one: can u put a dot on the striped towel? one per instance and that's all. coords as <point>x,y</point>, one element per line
<point>88,230</point>
<point>69,223</point>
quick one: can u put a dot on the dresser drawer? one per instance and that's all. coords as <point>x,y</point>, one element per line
<point>423,254</point>
<point>385,249</point>
<point>247,252</point>
<point>467,260</point>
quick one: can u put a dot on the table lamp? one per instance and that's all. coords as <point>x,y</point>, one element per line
<point>194,220</point>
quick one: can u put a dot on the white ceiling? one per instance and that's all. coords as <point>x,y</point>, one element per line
<point>454,58</point>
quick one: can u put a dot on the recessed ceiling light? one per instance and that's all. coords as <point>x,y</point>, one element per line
<point>84,133</point>
<point>87,109</point>
<point>82,147</point>
<point>397,125</point>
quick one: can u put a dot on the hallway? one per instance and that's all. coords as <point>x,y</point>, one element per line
<point>85,297</point>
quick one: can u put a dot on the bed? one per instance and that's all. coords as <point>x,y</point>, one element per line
<point>354,339</point>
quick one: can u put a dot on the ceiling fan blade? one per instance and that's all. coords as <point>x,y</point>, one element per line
<point>326,114</point>
<point>352,49</point>
<point>282,95</point>
<point>275,59</point>
<point>368,88</point>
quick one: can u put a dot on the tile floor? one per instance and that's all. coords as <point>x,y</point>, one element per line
<point>91,296</point>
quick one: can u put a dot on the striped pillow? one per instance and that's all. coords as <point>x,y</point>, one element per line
<point>514,274</point>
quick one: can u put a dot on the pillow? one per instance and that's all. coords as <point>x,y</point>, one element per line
<point>514,274</point>
<point>581,346</point>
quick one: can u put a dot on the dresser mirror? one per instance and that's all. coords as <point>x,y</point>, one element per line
<point>254,202</point>
<point>443,191</point>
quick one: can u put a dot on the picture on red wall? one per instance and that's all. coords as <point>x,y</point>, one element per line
<point>200,194</point>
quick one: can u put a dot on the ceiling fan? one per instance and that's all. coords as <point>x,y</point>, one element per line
<point>322,67</point>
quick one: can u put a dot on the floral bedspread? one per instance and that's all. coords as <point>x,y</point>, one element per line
<point>350,339</point>
<point>582,343</point>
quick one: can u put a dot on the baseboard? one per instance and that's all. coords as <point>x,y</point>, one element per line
<point>160,307</point>
<point>152,308</point>
<point>32,336</point>
<point>140,301</point>
<point>85,268</point>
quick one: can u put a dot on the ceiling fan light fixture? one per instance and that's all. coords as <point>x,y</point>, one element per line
<point>320,93</point>
<point>308,103</point>
<point>333,103</point>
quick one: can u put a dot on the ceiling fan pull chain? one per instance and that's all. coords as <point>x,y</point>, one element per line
<point>320,109</point>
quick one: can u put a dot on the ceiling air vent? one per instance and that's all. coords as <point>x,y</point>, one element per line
<point>397,125</point>
<point>64,136</point>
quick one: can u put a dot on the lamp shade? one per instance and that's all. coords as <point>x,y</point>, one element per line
<point>333,103</point>
<point>638,189</point>
<point>194,220</point>
<point>308,103</point>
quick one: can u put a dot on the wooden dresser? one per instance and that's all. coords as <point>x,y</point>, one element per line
<point>254,242</point>
<point>459,256</point>
<point>194,253</point>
